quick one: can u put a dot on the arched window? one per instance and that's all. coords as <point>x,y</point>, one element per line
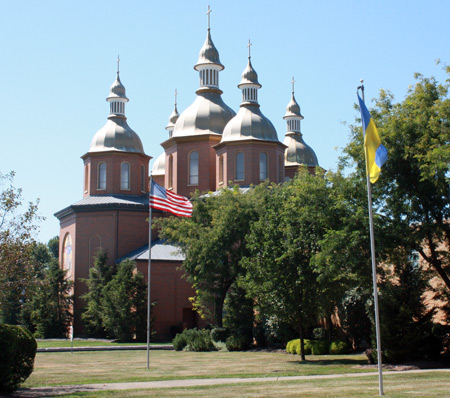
<point>101,178</point>
<point>221,169</point>
<point>67,254</point>
<point>86,178</point>
<point>143,179</point>
<point>125,176</point>
<point>193,168</point>
<point>262,166</point>
<point>239,166</point>
<point>170,182</point>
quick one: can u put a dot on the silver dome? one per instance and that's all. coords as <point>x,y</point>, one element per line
<point>116,135</point>
<point>208,54</point>
<point>249,123</point>
<point>173,118</point>
<point>293,109</point>
<point>159,167</point>
<point>208,114</point>
<point>249,76</point>
<point>298,152</point>
<point>117,89</point>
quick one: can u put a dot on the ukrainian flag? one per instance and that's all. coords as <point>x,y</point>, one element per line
<point>376,153</point>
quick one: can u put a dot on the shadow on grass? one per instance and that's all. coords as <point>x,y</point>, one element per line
<point>322,362</point>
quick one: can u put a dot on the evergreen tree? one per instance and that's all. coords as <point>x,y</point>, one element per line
<point>51,304</point>
<point>124,303</point>
<point>99,276</point>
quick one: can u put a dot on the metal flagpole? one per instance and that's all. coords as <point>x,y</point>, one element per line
<point>374,268</point>
<point>149,276</point>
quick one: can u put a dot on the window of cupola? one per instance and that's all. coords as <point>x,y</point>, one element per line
<point>239,167</point>
<point>263,169</point>
<point>125,176</point>
<point>101,176</point>
<point>193,168</point>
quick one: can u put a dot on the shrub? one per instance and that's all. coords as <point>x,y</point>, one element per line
<point>18,349</point>
<point>319,347</point>
<point>293,347</point>
<point>237,343</point>
<point>339,347</point>
<point>193,340</point>
<point>220,334</point>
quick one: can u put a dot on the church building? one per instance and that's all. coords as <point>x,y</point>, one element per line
<point>209,147</point>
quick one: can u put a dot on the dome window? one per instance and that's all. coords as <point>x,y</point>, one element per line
<point>101,177</point>
<point>240,166</point>
<point>193,168</point>
<point>263,166</point>
<point>125,176</point>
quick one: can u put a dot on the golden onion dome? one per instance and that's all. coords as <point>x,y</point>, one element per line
<point>208,114</point>
<point>249,123</point>
<point>298,152</point>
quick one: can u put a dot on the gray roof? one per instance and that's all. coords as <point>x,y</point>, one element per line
<point>105,202</point>
<point>161,251</point>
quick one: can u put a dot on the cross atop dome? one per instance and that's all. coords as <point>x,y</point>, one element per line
<point>209,17</point>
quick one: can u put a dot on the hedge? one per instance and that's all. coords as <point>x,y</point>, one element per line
<point>17,351</point>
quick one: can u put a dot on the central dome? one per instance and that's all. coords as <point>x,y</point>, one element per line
<point>208,114</point>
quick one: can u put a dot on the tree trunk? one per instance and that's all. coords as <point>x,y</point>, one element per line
<point>434,261</point>
<point>302,342</point>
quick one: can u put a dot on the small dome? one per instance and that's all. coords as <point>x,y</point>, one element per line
<point>117,90</point>
<point>249,76</point>
<point>208,114</point>
<point>249,123</point>
<point>116,135</point>
<point>159,167</point>
<point>298,152</point>
<point>173,118</point>
<point>208,54</point>
<point>293,109</point>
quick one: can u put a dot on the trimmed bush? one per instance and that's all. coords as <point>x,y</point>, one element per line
<point>220,334</point>
<point>237,343</point>
<point>339,347</point>
<point>293,347</point>
<point>18,349</point>
<point>193,340</point>
<point>320,347</point>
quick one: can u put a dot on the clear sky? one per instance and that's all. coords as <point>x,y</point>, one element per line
<point>58,62</point>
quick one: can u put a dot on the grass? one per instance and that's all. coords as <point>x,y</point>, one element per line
<point>433,384</point>
<point>64,368</point>
<point>85,343</point>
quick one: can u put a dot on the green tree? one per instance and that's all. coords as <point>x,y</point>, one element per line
<point>99,276</point>
<point>51,304</point>
<point>16,243</point>
<point>280,274</point>
<point>213,242</point>
<point>124,303</point>
<point>413,190</point>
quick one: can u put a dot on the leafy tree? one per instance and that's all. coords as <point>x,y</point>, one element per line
<point>53,246</point>
<point>16,238</point>
<point>413,190</point>
<point>99,276</point>
<point>124,303</point>
<point>213,242</point>
<point>280,275</point>
<point>51,303</point>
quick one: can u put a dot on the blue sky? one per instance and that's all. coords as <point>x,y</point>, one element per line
<point>59,59</point>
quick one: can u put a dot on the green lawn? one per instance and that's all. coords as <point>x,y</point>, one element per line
<point>64,368</point>
<point>434,385</point>
<point>86,343</point>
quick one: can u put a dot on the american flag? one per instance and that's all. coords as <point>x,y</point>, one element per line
<point>161,198</point>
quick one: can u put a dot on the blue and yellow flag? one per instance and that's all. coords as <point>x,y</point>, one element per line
<point>376,153</point>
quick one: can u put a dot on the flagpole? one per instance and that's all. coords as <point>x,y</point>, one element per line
<point>149,276</point>
<point>374,268</point>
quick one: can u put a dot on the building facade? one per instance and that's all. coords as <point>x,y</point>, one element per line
<point>209,147</point>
